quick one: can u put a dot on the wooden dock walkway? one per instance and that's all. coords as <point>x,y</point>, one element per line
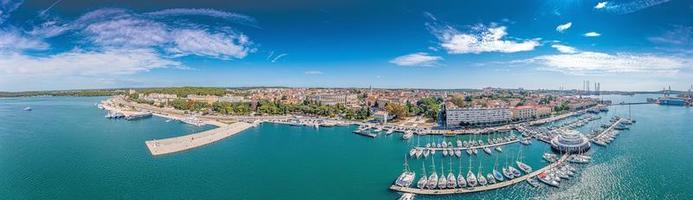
<point>478,188</point>
<point>182,143</point>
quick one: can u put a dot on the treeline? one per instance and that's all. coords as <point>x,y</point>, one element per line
<point>62,93</point>
<point>185,91</point>
<point>268,107</point>
<point>427,107</point>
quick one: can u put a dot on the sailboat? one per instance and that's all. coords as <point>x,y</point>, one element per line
<point>461,182</point>
<point>407,176</point>
<point>471,178</point>
<point>432,180</point>
<point>426,152</point>
<point>442,181</point>
<point>480,176</point>
<point>497,175</point>
<point>422,181</point>
<point>490,178</point>
<point>452,181</point>
<point>524,167</point>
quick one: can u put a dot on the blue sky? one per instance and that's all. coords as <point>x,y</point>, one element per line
<point>623,44</point>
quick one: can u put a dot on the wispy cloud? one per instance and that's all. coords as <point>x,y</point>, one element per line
<point>204,12</point>
<point>632,6</point>
<point>313,72</point>
<point>564,49</point>
<point>678,35</point>
<point>592,34</point>
<point>84,63</point>
<point>276,58</point>
<point>599,63</point>
<point>417,59</point>
<point>601,5</point>
<point>480,38</point>
<point>563,27</point>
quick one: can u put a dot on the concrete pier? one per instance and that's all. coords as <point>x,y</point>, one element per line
<point>478,188</point>
<point>182,143</point>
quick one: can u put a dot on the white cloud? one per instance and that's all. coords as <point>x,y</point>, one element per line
<point>601,5</point>
<point>16,41</point>
<point>592,34</point>
<point>313,72</point>
<point>84,63</point>
<point>599,63</point>
<point>564,49</point>
<point>127,32</point>
<point>563,27</point>
<point>481,39</point>
<point>416,59</point>
<point>202,43</point>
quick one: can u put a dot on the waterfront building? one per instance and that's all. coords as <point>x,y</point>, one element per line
<point>455,117</point>
<point>570,141</point>
<point>672,101</point>
<point>381,116</point>
<point>522,113</point>
<point>542,111</point>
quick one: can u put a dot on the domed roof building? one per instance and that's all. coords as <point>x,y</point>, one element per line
<point>570,141</point>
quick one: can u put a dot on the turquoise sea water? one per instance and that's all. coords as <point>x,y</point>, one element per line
<point>66,149</point>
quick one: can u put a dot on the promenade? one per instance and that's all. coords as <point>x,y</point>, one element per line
<point>478,188</point>
<point>182,143</point>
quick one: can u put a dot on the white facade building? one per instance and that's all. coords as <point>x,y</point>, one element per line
<point>476,116</point>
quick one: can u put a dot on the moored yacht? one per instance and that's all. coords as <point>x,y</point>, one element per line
<point>498,175</point>
<point>487,150</point>
<point>481,179</point>
<point>524,167</point>
<point>490,178</point>
<point>471,179</point>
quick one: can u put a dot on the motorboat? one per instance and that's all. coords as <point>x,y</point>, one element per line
<point>498,175</point>
<point>471,179</point>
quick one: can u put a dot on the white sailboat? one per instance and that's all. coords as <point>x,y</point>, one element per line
<point>461,182</point>
<point>452,181</point>
<point>423,180</point>
<point>433,179</point>
<point>442,181</point>
<point>407,177</point>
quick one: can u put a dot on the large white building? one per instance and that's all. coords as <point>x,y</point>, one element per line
<point>455,117</point>
<point>334,99</point>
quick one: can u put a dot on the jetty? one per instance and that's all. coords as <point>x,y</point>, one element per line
<point>478,188</point>
<point>182,143</point>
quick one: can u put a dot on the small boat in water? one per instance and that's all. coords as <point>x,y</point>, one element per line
<point>487,150</point>
<point>27,108</point>
<point>407,196</point>
<point>515,172</point>
<point>412,152</point>
<point>490,178</point>
<point>419,152</point>
<point>458,153</point>
<point>423,180</point>
<point>498,175</point>
<point>407,177</point>
<point>533,182</point>
<point>461,182</point>
<point>481,179</point>
<point>524,167</point>
<point>425,153</point>
<point>546,179</point>
<point>499,149</point>
<point>507,173</point>
<point>471,179</point>
<point>442,181</point>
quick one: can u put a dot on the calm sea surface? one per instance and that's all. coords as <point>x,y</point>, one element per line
<point>66,149</point>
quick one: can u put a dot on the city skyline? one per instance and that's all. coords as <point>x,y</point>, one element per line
<point>624,45</point>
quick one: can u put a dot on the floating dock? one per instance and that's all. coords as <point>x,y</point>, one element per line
<point>478,188</point>
<point>182,143</point>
